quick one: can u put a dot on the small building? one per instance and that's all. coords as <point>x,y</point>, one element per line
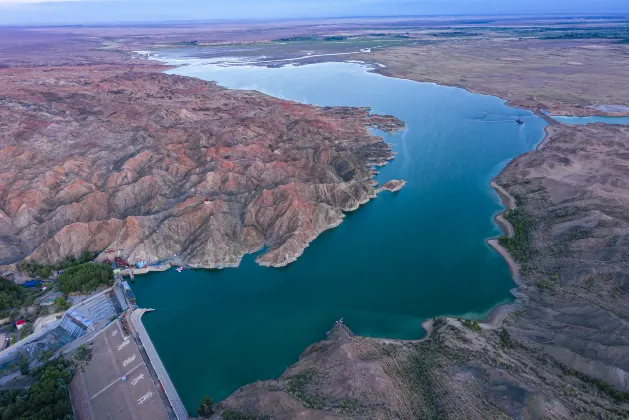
<point>20,323</point>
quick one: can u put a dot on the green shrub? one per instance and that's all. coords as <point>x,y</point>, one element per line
<point>472,325</point>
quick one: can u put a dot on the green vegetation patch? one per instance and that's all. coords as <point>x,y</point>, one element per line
<point>11,295</point>
<point>83,353</point>
<point>86,278</point>
<point>471,324</point>
<point>601,385</point>
<point>26,330</point>
<point>44,271</point>
<point>300,382</point>
<point>47,399</point>
<point>505,339</point>
<point>519,245</point>
<point>298,386</point>
<point>206,407</point>
<point>62,303</point>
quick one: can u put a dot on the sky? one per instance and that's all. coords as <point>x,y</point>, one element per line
<point>18,12</point>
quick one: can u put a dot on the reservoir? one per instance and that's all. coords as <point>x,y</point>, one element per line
<point>396,261</point>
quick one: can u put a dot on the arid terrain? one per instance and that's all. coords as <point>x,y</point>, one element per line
<point>112,154</point>
<point>563,353</point>
<point>152,165</point>
<point>565,77</point>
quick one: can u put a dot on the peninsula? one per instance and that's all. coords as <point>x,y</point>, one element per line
<point>122,157</point>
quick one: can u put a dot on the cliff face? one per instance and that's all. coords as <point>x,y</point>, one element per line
<point>111,157</point>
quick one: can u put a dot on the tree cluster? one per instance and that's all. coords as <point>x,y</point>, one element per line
<point>206,407</point>
<point>44,271</point>
<point>47,399</point>
<point>85,278</point>
<point>519,245</point>
<point>11,295</point>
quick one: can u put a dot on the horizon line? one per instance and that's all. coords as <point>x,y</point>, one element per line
<point>276,19</point>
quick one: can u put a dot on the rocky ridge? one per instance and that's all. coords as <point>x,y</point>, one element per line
<point>125,158</point>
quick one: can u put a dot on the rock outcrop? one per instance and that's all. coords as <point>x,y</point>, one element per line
<point>126,158</point>
<point>393,185</point>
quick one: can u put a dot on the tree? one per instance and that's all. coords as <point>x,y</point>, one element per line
<point>62,303</point>
<point>14,314</point>
<point>206,408</point>
<point>26,330</point>
<point>47,399</point>
<point>11,295</point>
<point>23,363</point>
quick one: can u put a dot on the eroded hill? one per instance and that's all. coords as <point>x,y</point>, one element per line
<point>126,158</point>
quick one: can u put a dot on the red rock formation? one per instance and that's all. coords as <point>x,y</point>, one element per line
<point>101,157</point>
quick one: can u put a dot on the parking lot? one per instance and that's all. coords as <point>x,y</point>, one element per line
<point>116,383</point>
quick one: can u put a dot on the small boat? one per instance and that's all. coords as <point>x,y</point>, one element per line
<point>179,269</point>
<point>519,121</point>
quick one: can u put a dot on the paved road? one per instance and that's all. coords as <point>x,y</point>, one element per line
<point>169,388</point>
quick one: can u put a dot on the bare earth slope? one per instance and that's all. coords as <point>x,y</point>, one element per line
<point>575,194</point>
<point>123,157</point>
<point>563,76</point>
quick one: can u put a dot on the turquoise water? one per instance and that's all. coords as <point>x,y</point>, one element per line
<point>589,120</point>
<point>396,261</point>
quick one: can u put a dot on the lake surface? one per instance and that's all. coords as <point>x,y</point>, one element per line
<point>590,120</point>
<point>394,262</point>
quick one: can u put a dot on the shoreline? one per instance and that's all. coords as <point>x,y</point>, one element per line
<point>495,317</point>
